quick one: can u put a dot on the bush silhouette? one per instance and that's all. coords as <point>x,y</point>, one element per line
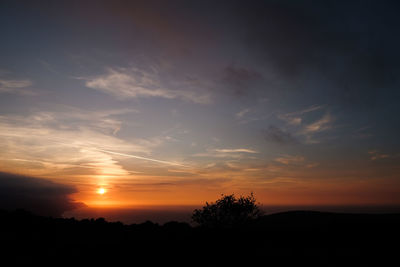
<point>227,212</point>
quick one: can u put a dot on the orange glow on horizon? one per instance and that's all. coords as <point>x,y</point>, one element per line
<point>297,185</point>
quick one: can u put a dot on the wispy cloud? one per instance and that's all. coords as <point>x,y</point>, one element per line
<point>295,118</point>
<point>124,83</point>
<point>227,153</point>
<point>297,131</point>
<point>291,119</point>
<point>236,150</point>
<point>320,125</point>
<point>16,87</point>
<point>287,159</point>
<point>241,113</point>
<point>65,142</point>
<point>70,118</point>
<point>312,165</point>
<point>375,155</point>
<point>299,124</point>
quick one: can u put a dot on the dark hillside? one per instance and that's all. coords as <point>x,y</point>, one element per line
<point>300,238</point>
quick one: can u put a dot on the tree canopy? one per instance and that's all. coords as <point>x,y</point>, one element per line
<point>228,211</point>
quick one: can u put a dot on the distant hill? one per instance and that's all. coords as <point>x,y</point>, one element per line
<point>298,238</point>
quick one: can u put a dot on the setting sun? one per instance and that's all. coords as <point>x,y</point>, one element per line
<point>101,191</point>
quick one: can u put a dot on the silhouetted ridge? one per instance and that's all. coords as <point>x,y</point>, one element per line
<point>297,238</point>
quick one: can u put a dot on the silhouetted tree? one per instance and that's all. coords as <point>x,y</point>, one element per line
<point>228,211</point>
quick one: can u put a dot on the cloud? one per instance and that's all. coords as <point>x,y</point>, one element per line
<point>301,131</point>
<point>350,47</point>
<point>296,161</point>
<point>295,118</point>
<point>241,113</point>
<point>320,125</point>
<point>15,86</point>
<point>375,155</point>
<point>72,118</point>
<point>312,165</point>
<point>67,142</point>
<point>290,159</point>
<point>226,153</point>
<point>276,135</point>
<point>309,131</point>
<point>124,83</point>
<point>236,150</point>
<point>37,195</point>
<point>294,121</point>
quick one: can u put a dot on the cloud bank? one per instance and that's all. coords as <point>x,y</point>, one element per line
<point>37,195</point>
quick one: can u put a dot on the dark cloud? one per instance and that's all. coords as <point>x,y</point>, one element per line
<point>276,135</point>
<point>351,46</point>
<point>239,80</point>
<point>37,195</point>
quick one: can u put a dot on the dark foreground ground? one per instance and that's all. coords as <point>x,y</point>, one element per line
<point>300,238</point>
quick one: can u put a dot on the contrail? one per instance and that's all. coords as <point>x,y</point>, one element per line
<point>57,140</point>
<point>139,157</point>
<point>117,153</point>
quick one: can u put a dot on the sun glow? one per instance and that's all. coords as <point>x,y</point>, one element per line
<point>101,191</point>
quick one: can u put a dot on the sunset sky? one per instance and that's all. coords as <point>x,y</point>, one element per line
<point>130,103</point>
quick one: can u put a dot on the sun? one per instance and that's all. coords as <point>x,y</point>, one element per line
<point>101,191</point>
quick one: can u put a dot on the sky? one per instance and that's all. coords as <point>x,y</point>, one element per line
<point>157,103</point>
